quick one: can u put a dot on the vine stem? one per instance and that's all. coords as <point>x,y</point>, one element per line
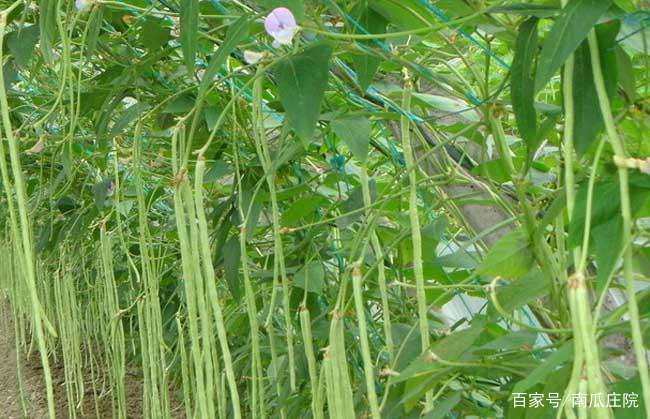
<point>626,213</point>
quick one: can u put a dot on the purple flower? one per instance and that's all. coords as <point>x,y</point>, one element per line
<point>281,25</point>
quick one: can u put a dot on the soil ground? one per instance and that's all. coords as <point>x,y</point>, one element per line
<point>34,393</point>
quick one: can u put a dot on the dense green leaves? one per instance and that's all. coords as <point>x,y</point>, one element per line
<point>522,88</point>
<point>269,242</point>
<point>569,30</point>
<point>302,80</point>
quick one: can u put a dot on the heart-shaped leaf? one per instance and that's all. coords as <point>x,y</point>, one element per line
<point>302,80</point>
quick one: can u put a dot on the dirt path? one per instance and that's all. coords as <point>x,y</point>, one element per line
<point>35,395</point>
<point>34,390</point>
<point>33,386</point>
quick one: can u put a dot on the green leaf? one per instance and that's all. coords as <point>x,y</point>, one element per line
<point>127,117</point>
<point>510,257</point>
<point>211,116</point>
<point>494,170</point>
<point>547,126</point>
<point>626,74</point>
<point>216,171</point>
<point>539,374</point>
<point>446,104</point>
<point>366,65</point>
<point>522,89</point>
<point>444,406</point>
<point>602,210</point>
<point>47,25</point>
<point>355,132</point>
<point>154,33</point>
<point>461,259</point>
<point>231,262</point>
<point>405,14</point>
<point>311,278</point>
<point>450,348</point>
<point>22,42</point>
<point>189,21</point>
<point>303,209</point>
<point>180,104</point>
<point>416,387</point>
<point>588,118</point>
<point>302,80</point>
<point>626,5</point>
<point>522,291</point>
<point>607,241</point>
<point>569,30</point>
<point>641,261</point>
<point>453,346</point>
<point>631,386</point>
<point>510,341</point>
<point>606,223</point>
<point>431,235</point>
<point>94,28</point>
<point>237,32</point>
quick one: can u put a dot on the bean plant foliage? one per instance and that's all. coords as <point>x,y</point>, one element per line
<point>329,208</point>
